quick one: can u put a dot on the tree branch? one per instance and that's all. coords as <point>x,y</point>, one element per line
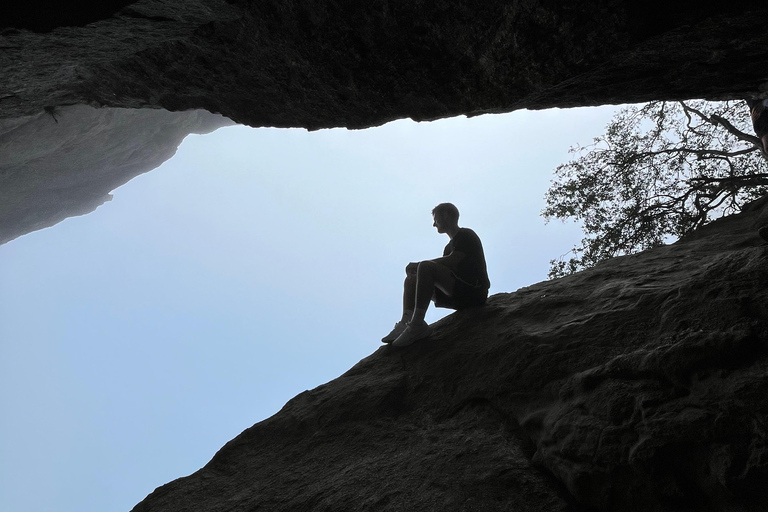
<point>715,119</point>
<point>735,131</point>
<point>702,153</point>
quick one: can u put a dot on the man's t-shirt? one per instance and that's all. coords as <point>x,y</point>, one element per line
<point>471,269</point>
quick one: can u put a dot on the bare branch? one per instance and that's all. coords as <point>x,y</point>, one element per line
<point>735,131</point>
<point>719,120</point>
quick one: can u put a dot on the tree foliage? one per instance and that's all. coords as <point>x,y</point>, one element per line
<point>661,170</point>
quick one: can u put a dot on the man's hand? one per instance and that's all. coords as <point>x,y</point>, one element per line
<point>411,268</point>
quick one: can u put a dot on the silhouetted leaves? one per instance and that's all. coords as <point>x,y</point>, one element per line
<point>661,170</point>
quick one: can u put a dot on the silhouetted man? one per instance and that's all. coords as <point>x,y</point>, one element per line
<point>458,280</point>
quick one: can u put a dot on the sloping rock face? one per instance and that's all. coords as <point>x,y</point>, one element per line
<point>323,63</point>
<point>639,385</point>
<point>65,163</point>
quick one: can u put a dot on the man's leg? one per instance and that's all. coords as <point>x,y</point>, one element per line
<point>430,275</point>
<point>409,303</point>
<point>409,297</point>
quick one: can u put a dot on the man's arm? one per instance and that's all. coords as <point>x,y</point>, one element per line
<point>451,261</point>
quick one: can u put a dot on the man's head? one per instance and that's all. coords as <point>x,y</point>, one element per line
<point>445,216</point>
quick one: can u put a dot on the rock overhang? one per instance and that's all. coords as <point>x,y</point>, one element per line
<point>330,63</point>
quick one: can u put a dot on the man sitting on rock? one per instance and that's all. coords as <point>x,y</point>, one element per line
<point>458,280</point>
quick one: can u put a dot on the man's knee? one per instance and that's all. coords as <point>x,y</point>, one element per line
<point>440,275</point>
<point>427,266</point>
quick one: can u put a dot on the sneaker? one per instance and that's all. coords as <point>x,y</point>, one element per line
<point>412,333</point>
<point>392,336</point>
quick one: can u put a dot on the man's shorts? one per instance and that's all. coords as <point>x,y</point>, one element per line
<point>464,296</point>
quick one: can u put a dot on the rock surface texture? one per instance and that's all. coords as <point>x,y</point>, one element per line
<point>639,385</point>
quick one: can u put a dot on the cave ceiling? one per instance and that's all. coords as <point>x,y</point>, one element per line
<point>327,63</point>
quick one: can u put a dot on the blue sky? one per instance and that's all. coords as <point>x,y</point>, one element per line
<point>135,341</point>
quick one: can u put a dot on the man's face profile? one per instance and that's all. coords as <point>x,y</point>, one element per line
<point>438,222</point>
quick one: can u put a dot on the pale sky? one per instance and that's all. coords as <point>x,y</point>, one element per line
<point>257,263</point>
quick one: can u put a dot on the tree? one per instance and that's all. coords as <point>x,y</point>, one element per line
<point>660,171</point>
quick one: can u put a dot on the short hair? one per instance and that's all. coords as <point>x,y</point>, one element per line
<point>447,210</point>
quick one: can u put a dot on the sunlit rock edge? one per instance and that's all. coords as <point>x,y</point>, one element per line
<point>65,162</point>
